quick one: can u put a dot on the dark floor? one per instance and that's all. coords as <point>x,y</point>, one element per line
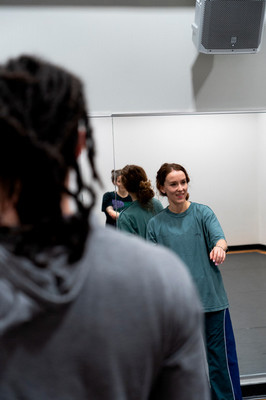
<point>244,277</point>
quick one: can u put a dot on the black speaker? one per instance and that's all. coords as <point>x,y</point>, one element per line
<point>228,26</point>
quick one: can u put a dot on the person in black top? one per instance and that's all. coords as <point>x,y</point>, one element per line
<point>114,202</point>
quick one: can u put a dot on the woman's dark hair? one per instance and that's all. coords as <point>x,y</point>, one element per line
<point>135,181</point>
<point>164,170</point>
<point>41,109</point>
<point>115,173</point>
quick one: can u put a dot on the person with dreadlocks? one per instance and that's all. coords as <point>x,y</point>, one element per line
<point>78,318</point>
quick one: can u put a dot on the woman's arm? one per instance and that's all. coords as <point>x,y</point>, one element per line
<point>113,213</point>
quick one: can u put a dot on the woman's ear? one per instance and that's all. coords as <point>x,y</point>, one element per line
<point>162,190</point>
<point>81,142</point>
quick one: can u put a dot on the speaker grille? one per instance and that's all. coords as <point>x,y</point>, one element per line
<point>235,24</point>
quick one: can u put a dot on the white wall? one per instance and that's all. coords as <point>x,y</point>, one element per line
<point>262,177</point>
<point>136,59</point>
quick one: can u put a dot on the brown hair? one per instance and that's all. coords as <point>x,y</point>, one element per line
<point>135,180</point>
<point>164,170</point>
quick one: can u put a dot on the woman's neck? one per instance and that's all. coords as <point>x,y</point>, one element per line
<point>179,208</point>
<point>122,192</point>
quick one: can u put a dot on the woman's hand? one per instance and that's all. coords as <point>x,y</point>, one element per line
<point>218,253</point>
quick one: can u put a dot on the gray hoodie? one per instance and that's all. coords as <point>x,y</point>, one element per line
<point>123,323</point>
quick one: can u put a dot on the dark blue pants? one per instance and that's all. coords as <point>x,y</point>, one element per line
<point>222,357</point>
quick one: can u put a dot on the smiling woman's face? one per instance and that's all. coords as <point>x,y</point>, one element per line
<point>175,187</point>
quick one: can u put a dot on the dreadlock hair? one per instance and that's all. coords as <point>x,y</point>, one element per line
<point>135,180</point>
<point>41,106</point>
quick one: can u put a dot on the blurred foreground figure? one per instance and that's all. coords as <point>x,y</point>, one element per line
<point>78,318</point>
